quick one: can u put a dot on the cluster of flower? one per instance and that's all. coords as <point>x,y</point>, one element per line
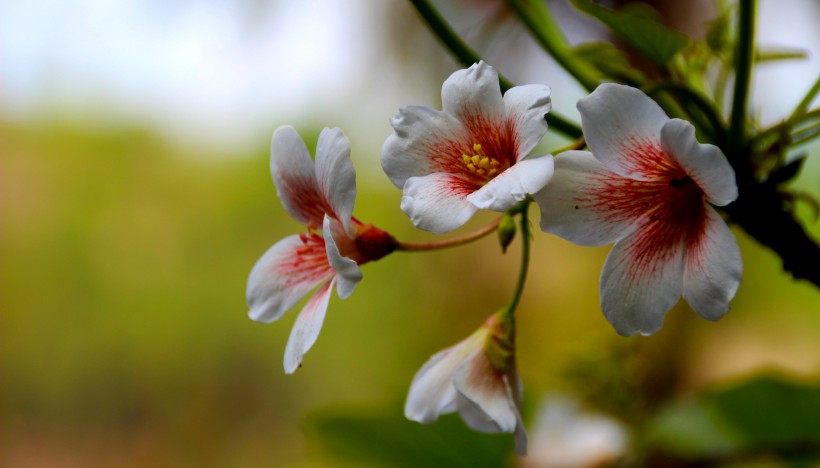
<point>646,185</point>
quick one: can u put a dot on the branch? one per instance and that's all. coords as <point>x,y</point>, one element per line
<point>761,212</point>
<point>467,56</point>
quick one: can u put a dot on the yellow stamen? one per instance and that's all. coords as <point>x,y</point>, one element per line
<point>479,163</point>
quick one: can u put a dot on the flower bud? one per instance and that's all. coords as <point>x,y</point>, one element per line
<point>506,231</point>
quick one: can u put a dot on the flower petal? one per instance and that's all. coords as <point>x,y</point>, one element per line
<point>295,177</point>
<point>641,280</point>
<point>622,127</point>
<point>473,91</point>
<point>420,144</point>
<point>584,202</point>
<point>432,392</point>
<point>513,185</point>
<point>349,273</point>
<point>307,327</point>
<point>335,174</point>
<point>484,398</point>
<point>284,274</point>
<point>713,269</point>
<point>520,436</point>
<point>705,164</point>
<point>438,202</point>
<point>526,107</point>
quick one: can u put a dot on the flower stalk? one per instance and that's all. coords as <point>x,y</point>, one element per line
<point>447,243</point>
<point>743,72</point>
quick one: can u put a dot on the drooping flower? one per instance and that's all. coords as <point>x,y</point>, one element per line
<point>320,196</point>
<point>647,185</point>
<point>471,155</point>
<point>478,378</point>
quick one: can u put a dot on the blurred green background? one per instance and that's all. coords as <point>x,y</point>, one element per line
<point>126,241</point>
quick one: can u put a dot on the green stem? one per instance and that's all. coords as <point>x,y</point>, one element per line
<point>744,54</point>
<point>806,101</point>
<point>695,98</point>
<point>786,125</point>
<point>805,135</point>
<point>522,208</point>
<point>467,56</point>
<point>538,20</point>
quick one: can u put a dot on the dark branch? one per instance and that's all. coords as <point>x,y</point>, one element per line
<point>763,214</point>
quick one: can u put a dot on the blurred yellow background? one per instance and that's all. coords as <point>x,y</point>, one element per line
<point>133,205</point>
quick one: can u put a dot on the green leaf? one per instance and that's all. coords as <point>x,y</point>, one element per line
<point>386,438</point>
<point>688,430</point>
<point>640,27</point>
<point>764,415</point>
<point>772,412</point>
<point>719,36</point>
<point>609,60</point>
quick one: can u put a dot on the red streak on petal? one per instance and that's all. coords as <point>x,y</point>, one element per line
<point>306,263</point>
<point>671,214</point>
<point>646,157</point>
<point>498,140</point>
<point>309,201</point>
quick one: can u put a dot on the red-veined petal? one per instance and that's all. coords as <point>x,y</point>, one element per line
<point>622,127</point>
<point>474,90</point>
<point>295,177</point>
<point>348,272</point>
<point>335,174</point>
<point>705,164</point>
<point>284,274</point>
<point>642,279</point>
<point>713,268</point>
<point>589,205</point>
<point>513,185</point>
<point>424,141</point>
<point>526,106</point>
<point>307,327</point>
<point>484,399</point>
<point>438,202</point>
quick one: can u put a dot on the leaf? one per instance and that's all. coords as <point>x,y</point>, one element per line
<point>786,172</point>
<point>688,430</point>
<point>765,414</point>
<point>719,35</point>
<point>640,27</point>
<point>387,439</point>
<point>770,412</point>
<point>609,60</point>
<point>771,54</point>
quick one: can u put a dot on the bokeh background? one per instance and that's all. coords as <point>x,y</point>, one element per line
<point>135,196</point>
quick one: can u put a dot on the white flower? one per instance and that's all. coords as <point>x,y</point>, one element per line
<point>565,435</point>
<point>319,196</point>
<point>465,378</point>
<point>471,155</point>
<point>645,186</point>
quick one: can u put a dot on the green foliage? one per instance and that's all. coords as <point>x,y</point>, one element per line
<point>638,25</point>
<point>388,439</point>
<point>763,415</point>
<point>609,60</point>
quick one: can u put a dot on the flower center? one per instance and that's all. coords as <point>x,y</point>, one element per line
<point>479,163</point>
<point>679,182</point>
